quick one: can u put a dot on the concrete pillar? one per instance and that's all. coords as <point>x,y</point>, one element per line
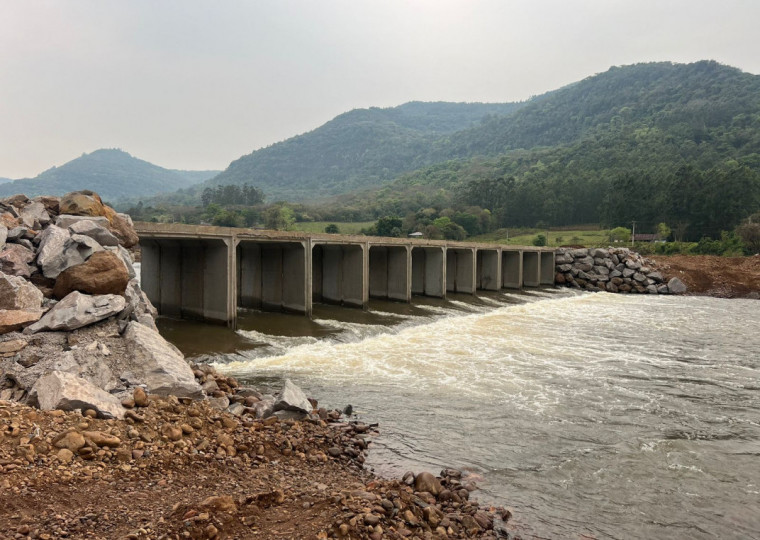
<point>531,268</point>
<point>547,268</point>
<point>273,276</point>
<point>389,272</point>
<point>191,278</point>
<point>460,270</point>
<point>511,269</point>
<point>339,274</point>
<point>428,271</point>
<point>489,269</point>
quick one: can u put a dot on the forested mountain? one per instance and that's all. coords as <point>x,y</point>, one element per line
<point>358,149</point>
<point>650,142</point>
<point>5,180</point>
<point>112,173</point>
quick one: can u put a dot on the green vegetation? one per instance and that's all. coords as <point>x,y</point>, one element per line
<point>355,227</point>
<point>112,173</point>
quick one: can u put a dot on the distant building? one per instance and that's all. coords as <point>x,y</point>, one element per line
<point>645,237</point>
<point>416,235</point>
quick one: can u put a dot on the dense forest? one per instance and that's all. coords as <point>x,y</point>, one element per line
<point>112,173</point>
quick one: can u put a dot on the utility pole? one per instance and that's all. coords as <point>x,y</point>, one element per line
<point>633,234</point>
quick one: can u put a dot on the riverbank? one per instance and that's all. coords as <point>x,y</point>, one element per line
<point>185,469</point>
<point>709,275</point>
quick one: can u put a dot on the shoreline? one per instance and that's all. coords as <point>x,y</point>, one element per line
<point>178,468</point>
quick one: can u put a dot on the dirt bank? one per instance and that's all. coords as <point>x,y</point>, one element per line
<point>723,277</point>
<point>176,470</point>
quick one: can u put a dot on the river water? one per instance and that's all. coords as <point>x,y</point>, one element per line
<point>609,416</point>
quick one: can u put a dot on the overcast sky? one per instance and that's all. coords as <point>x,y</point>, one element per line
<point>196,84</point>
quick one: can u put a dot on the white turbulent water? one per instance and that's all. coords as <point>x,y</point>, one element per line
<point>607,415</point>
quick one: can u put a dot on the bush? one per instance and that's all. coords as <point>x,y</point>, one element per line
<point>332,228</point>
<point>539,240</point>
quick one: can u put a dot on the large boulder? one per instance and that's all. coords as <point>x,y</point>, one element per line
<point>78,310</point>
<point>157,364</point>
<point>54,258</point>
<point>676,286</point>
<point>50,250</point>
<point>34,215</point>
<point>16,319</point>
<point>65,391</point>
<point>15,259</point>
<point>103,273</point>
<point>97,232</point>
<point>123,230</point>
<point>3,235</point>
<point>82,203</point>
<point>292,398</point>
<point>18,293</point>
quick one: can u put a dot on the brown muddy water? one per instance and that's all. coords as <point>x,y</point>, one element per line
<point>603,415</point>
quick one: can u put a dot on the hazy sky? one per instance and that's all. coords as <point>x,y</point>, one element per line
<point>194,85</point>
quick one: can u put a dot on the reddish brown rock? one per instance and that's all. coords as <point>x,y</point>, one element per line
<point>122,230</point>
<point>103,273</point>
<point>15,259</point>
<point>15,319</point>
<point>7,219</point>
<point>82,203</point>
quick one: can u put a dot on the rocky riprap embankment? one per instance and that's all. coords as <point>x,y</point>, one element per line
<point>616,270</point>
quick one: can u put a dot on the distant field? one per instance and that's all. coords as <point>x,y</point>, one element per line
<point>524,237</point>
<point>345,228</point>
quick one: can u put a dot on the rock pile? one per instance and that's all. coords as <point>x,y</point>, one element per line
<point>617,270</point>
<point>76,330</point>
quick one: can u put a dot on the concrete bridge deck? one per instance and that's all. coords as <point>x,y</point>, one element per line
<point>205,272</point>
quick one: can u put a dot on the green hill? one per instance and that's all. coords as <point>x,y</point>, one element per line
<point>112,173</point>
<point>358,149</point>
<point>650,142</point>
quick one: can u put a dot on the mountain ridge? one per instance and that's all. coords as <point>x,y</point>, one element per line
<point>112,173</point>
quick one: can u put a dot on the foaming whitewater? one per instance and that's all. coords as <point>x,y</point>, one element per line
<point>606,415</point>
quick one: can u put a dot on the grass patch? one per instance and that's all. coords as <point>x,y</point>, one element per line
<point>524,237</point>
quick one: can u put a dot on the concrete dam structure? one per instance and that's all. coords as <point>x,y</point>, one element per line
<point>206,273</point>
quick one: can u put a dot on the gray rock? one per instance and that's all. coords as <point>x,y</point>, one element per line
<point>3,236</point>
<point>564,267</point>
<point>18,293</point>
<point>292,398</point>
<point>563,258</point>
<point>77,249</point>
<point>641,278</point>
<point>630,263</point>
<point>586,267</point>
<point>19,233</point>
<point>65,391</point>
<point>77,310</point>
<point>67,220</point>
<point>50,256</point>
<point>663,289</point>
<point>676,286</point>
<point>265,407</point>
<point>34,215</point>
<point>580,252</point>
<point>238,409</point>
<point>628,272</point>
<point>125,257</point>
<point>139,306</point>
<point>602,270</point>
<point>614,258</point>
<point>656,276</point>
<point>584,260</point>
<point>94,230</point>
<point>27,370</point>
<point>221,403</point>
<point>599,253</point>
<point>615,273</point>
<point>651,289</point>
<point>158,364</point>
<point>611,287</point>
